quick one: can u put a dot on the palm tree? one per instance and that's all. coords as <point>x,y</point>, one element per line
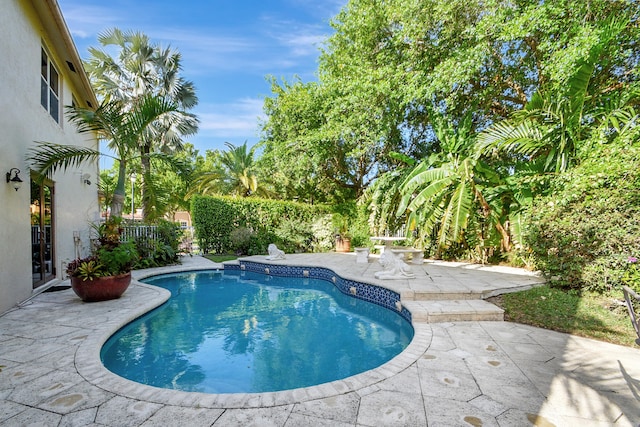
<point>233,172</point>
<point>140,69</point>
<point>122,130</point>
<point>240,169</point>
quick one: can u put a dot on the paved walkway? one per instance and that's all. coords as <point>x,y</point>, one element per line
<point>473,373</point>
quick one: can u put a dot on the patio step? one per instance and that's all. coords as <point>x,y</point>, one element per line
<point>440,295</point>
<point>453,311</point>
<point>437,295</point>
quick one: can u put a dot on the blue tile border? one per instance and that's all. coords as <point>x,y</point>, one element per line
<point>364,291</point>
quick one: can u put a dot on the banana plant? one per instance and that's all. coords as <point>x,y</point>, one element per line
<point>444,190</point>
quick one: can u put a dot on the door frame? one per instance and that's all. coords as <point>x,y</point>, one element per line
<point>43,256</point>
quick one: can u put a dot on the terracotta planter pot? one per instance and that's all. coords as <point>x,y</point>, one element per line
<point>101,288</point>
<point>343,244</point>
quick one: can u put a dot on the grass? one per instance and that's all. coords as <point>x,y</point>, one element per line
<point>601,317</point>
<point>220,257</point>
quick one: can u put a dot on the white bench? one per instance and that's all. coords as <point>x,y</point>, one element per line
<point>417,255</point>
<point>362,255</point>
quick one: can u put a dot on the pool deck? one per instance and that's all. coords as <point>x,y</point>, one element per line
<point>454,373</point>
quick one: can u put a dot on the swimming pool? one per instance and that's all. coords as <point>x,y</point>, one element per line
<point>237,331</point>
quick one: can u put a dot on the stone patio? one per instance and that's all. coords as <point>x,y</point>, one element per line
<point>454,373</point>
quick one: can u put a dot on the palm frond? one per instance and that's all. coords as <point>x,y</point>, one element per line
<point>510,136</point>
<point>46,158</point>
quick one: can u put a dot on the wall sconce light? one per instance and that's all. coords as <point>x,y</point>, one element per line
<point>86,178</point>
<point>16,182</point>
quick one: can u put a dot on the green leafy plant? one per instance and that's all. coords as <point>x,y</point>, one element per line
<point>241,240</point>
<point>91,269</point>
<point>287,224</point>
<point>583,232</point>
<point>631,275</point>
<point>111,256</point>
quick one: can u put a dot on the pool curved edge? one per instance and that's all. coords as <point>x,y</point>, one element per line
<point>147,297</point>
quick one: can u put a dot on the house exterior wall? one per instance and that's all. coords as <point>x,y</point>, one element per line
<point>25,27</point>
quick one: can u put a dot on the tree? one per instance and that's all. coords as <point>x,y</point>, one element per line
<point>388,62</point>
<point>239,167</point>
<point>553,124</point>
<point>142,68</point>
<point>122,129</point>
<point>233,171</point>
<point>303,164</point>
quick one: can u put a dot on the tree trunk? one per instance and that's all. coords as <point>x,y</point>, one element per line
<point>145,149</point>
<point>117,202</point>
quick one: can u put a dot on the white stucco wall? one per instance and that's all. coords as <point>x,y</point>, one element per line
<point>22,121</point>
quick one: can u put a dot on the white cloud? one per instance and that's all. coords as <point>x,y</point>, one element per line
<point>238,119</point>
<point>84,21</point>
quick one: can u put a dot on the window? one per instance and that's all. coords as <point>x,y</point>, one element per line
<point>49,87</point>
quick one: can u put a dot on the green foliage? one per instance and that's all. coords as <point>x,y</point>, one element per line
<point>122,128</point>
<point>117,259</point>
<point>240,240</point>
<point>90,269</point>
<point>213,221</point>
<point>583,233</point>
<point>287,224</point>
<point>323,233</point>
<point>111,257</point>
<point>231,172</point>
<point>143,69</point>
<point>389,62</point>
<point>631,275</point>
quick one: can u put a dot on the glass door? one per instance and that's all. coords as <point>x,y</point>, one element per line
<point>42,233</point>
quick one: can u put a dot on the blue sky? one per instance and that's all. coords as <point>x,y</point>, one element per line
<point>228,48</point>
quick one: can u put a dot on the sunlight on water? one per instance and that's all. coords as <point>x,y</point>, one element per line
<point>228,332</point>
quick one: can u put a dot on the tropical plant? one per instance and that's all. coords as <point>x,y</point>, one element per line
<point>111,256</point>
<point>582,233</point>
<point>553,124</point>
<point>240,169</point>
<point>122,130</point>
<point>231,172</point>
<point>383,197</point>
<point>143,69</point>
<point>445,190</point>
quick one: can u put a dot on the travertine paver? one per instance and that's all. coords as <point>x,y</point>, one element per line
<point>452,374</point>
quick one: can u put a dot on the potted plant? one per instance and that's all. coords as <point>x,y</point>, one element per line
<point>106,274</point>
<point>343,236</point>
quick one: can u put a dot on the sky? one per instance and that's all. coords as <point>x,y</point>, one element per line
<point>228,49</point>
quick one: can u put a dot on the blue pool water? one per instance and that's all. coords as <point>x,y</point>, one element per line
<point>229,332</point>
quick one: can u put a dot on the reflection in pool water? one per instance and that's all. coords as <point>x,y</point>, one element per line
<point>228,332</point>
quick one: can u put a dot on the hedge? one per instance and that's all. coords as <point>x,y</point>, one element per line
<point>248,225</point>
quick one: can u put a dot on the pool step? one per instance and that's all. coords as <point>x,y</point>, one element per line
<point>440,295</point>
<point>453,311</point>
<point>436,295</point>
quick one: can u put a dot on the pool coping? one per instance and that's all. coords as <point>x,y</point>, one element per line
<point>90,367</point>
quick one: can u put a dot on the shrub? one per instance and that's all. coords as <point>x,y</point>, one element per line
<point>323,234</point>
<point>287,224</point>
<point>582,235</point>
<point>240,240</point>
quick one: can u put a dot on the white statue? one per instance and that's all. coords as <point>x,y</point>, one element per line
<point>393,267</point>
<point>274,252</point>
